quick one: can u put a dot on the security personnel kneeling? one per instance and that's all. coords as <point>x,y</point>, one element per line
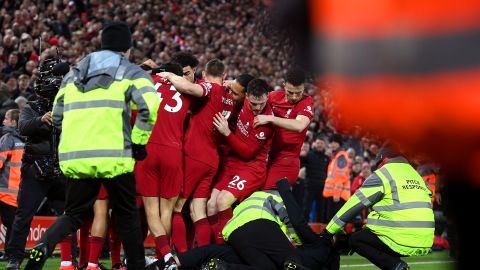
<point>92,109</point>
<point>401,221</point>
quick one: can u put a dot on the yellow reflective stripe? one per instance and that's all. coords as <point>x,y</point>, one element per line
<point>403,206</point>
<point>117,104</point>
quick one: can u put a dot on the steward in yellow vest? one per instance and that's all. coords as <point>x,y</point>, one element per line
<point>97,145</point>
<point>401,221</point>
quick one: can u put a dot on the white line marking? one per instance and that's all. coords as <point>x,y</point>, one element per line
<point>409,263</point>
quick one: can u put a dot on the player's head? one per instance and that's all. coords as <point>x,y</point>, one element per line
<point>172,67</point>
<point>11,118</point>
<point>239,86</point>
<point>257,95</point>
<point>214,69</point>
<point>294,85</point>
<point>189,64</point>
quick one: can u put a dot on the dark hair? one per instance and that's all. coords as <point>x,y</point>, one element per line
<point>172,67</point>
<point>185,59</point>
<point>14,114</point>
<point>244,79</point>
<point>295,76</point>
<point>257,87</point>
<point>215,68</point>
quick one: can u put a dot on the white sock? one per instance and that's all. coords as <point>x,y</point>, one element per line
<point>167,257</point>
<point>92,264</point>
<point>65,263</point>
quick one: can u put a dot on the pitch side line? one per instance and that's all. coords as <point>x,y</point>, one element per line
<point>409,263</point>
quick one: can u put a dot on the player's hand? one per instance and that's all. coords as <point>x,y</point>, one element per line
<point>150,63</point>
<point>221,124</point>
<point>262,120</point>
<point>164,75</point>
<point>47,118</point>
<point>336,198</point>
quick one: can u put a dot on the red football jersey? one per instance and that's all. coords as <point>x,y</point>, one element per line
<point>169,128</point>
<point>202,139</point>
<point>288,143</point>
<point>254,139</point>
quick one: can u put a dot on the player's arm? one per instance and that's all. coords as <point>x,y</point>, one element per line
<point>297,125</point>
<point>244,150</point>
<point>183,85</point>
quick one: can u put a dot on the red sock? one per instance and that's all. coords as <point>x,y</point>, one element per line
<point>213,221</point>
<point>84,245</point>
<point>202,232</point>
<point>179,232</point>
<point>96,245</point>
<point>114,244</point>
<point>66,249</point>
<point>223,217</point>
<point>161,246</point>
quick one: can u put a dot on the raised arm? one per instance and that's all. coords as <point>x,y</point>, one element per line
<point>184,86</point>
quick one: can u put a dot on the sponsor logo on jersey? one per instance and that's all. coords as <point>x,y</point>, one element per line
<point>309,110</point>
<point>243,127</point>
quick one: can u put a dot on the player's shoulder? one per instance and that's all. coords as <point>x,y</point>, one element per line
<point>277,95</point>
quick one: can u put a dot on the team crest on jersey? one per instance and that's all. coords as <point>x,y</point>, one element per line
<point>261,136</point>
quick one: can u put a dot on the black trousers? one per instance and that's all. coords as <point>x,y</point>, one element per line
<point>332,208</point>
<point>315,193</point>
<point>368,245</point>
<point>80,197</point>
<point>30,196</point>
<point>262,243</point>
<point>7,212</point>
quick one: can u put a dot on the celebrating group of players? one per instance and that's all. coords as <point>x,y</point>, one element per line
<point>215,142</point>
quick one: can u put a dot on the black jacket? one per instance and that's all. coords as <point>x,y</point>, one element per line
<point>316,166</point>
<point>37,133</point>
<point>315,252</point>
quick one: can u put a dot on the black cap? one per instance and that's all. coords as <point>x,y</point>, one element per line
<point>116,36</point>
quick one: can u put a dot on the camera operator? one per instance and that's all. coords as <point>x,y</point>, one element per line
<point>39,176</point>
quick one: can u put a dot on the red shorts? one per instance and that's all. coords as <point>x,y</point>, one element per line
<point>241,181</point>
<point>287,167</point>
<point>103,194</point>
<point>198,179</point>
<point>161,173</point>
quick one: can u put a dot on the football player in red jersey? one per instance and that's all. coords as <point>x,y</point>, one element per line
<point>244,170</point>
<point>293,111</point>
<point>160,176</point>
<point>200,147</point>
<point>189,64</point>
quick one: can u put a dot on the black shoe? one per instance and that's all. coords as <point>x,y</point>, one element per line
<point>37,258</point>
<point>289,265</point>
<point>402,266</point>
<point>214,264</point>
<point>171,264</point>
<point>13,264</point>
